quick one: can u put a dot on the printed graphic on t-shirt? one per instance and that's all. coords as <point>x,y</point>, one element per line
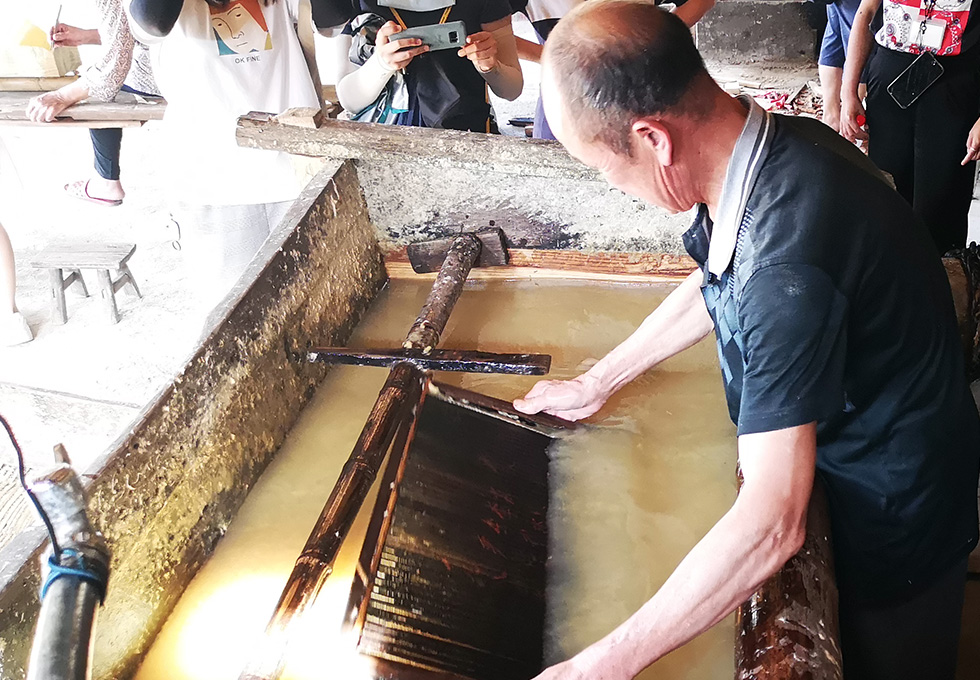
<point>916,26</point>
<point>240,28</point>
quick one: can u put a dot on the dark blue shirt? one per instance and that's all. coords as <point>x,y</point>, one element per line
<point>834,308</point>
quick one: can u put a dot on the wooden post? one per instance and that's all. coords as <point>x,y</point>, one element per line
<point>788,629</point>
<point>108,294</point>
<point>58,292</point>
<point>445,291</point>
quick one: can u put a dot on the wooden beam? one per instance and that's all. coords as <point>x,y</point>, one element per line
<point>788,629</point>
<point>572,265</point>
<point>125,111</point>
<point>414,146</point>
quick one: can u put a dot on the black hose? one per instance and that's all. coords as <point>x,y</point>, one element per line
<point>22,471</point>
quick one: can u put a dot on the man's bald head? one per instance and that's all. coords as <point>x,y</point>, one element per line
<point>614,61</point>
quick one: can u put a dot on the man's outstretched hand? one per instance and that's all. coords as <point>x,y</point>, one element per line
<point>569,399</point>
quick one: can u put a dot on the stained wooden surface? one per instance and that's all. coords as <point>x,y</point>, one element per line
<point>788,629</point>
<point>125,111</point>
<point>428,256</point>
<point>456,564</point>
<point>528,263</point>
<point>436,360</point>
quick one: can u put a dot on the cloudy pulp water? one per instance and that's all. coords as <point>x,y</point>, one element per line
<point>630,495</point>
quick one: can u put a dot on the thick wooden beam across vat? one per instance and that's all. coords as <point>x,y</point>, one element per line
<point>166,491</point>
<point>398,143</point>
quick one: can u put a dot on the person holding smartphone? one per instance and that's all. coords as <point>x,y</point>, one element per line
<point>447,88</point>
<point>923,99</point>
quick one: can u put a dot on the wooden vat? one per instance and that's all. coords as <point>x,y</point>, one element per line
<point>167,489</point>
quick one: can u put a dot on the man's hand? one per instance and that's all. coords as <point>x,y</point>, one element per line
<point>481,49</point>
<point>972,144</point>
<point>64,35</point>
<point>44,108</point>
<point>396,54</point>
<point>568,399</point>
<point>852,119</point>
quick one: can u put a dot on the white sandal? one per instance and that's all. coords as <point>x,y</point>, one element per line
<point>15,331</point>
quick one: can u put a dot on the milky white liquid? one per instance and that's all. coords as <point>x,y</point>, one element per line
<point>629,495</point>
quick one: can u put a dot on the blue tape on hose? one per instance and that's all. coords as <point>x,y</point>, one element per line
<point>57,571</point>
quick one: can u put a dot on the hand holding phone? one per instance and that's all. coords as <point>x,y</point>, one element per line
<point>396,51</point>
<point>436,37</point>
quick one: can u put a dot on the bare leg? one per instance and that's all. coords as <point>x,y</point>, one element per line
<point>13,326</point>
<point>8,304</point>
<point>830,85</point>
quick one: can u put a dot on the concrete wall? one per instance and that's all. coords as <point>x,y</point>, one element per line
<point>422,183</point>
<point>743,31</point>
<point>167,490</point>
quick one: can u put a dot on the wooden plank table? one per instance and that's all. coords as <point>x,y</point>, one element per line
<point>128,110</point>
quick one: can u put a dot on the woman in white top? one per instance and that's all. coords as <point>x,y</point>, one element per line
<point>214,61</point>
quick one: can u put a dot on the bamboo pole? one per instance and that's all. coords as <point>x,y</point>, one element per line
<point>394,410</point>
<point>431,322</point>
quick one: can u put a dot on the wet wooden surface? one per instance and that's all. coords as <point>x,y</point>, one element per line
<point>788,629</point>
<point>458,567</point>
<point>437,360</point>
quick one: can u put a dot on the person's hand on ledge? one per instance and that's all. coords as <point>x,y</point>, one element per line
<point>44,108</point>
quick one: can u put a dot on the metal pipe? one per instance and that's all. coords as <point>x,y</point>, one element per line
<point>78,555</point>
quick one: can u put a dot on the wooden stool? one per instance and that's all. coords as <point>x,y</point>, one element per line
<point>100,257</point>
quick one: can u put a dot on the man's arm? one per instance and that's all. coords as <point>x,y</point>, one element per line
<point>858,49</point>
<point>692,10</point>
<point>764,528</point>
<point>678,323</point>
<point>156,17</point>
<point>529,51</point>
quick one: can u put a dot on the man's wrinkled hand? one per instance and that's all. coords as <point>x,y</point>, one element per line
<point>568,399</point>
<point>481,49</point>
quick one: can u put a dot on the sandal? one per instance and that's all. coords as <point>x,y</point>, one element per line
<point>79,190</point>
<point>15,331</point>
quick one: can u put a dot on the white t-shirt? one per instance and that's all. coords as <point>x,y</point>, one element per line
<point>214,66</point>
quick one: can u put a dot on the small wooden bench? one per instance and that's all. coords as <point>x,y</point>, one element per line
<point>72,258</point>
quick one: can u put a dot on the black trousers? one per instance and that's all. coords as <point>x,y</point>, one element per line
<point>922,146</point>
<point>914,639</point>
<point>107,144</point>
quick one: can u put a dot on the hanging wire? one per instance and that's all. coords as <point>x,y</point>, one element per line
<point>22,471</point>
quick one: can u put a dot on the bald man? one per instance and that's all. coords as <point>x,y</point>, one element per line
<point>836,337</point>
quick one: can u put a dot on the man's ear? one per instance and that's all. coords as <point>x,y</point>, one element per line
<point>651,134</point>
